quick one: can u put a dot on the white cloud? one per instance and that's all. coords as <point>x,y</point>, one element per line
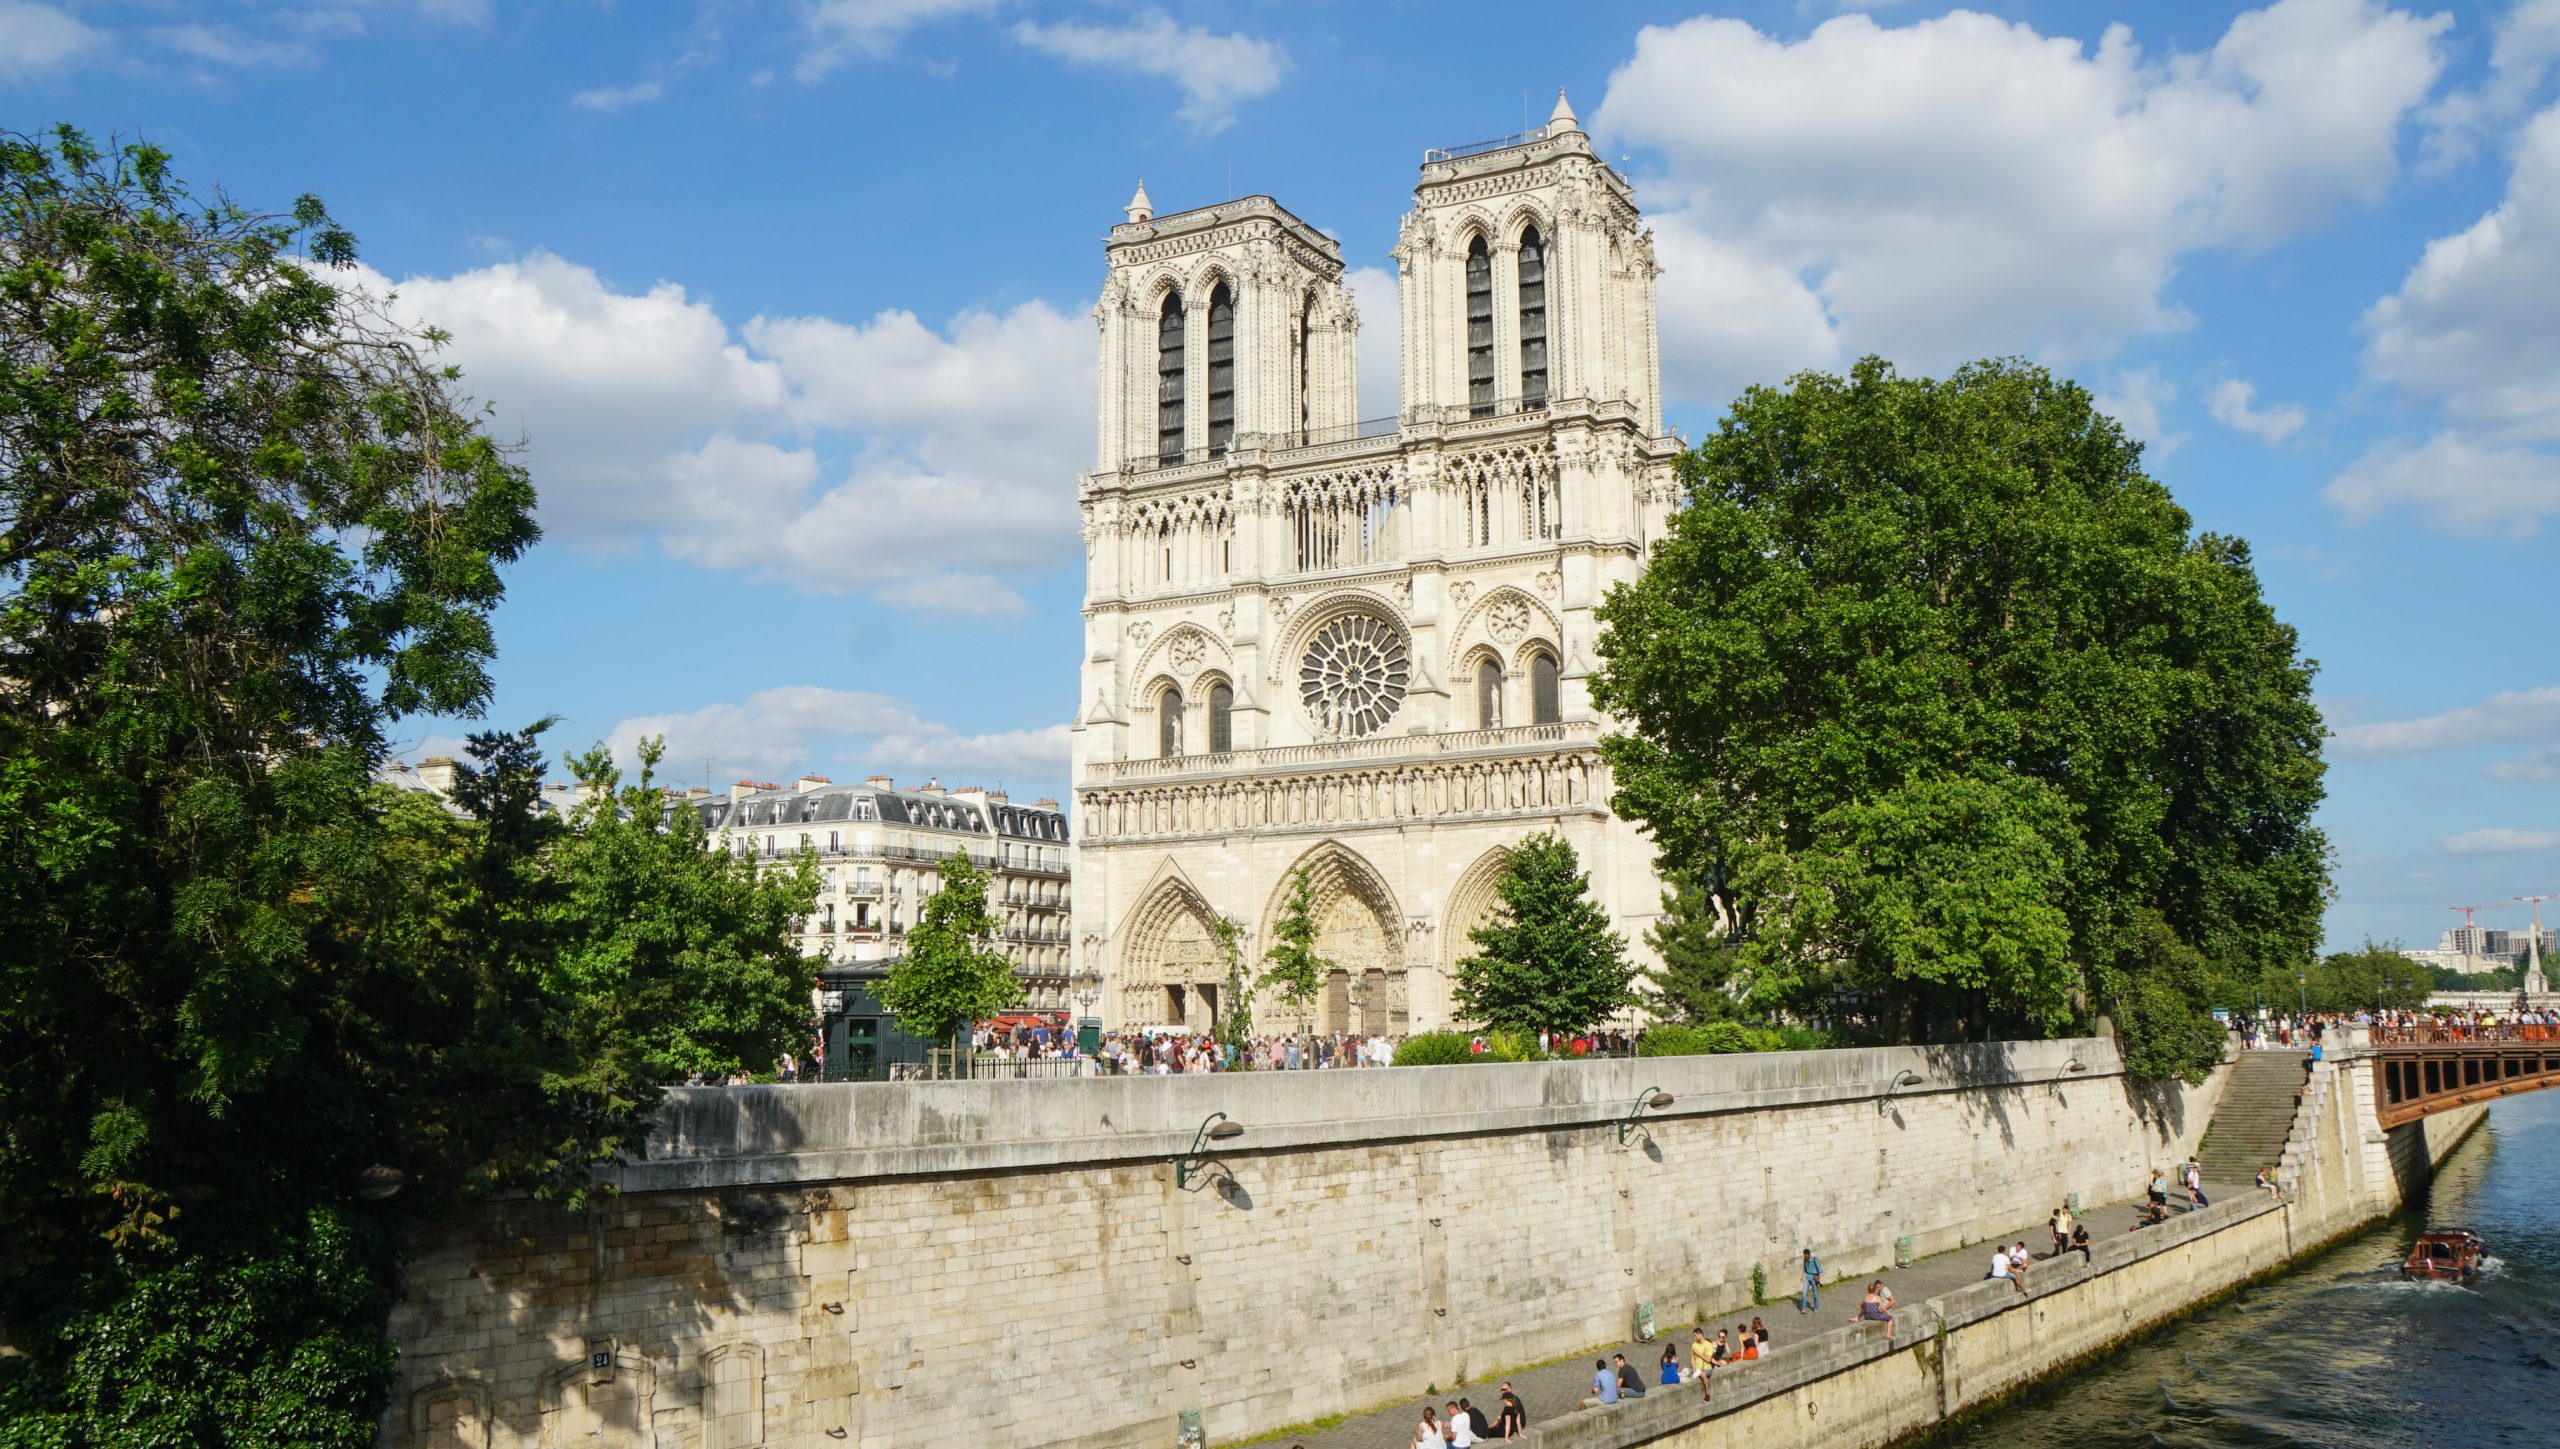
<point>2233,404</point>
<point>228,45</point>
<point>2455,484</point>
<point>2516,715</point>
<point>923,467</point>
<point>1381,357</point>
<point>1216,73</point>
<point>775,733</point>
<point>610,99</point>
<point>2528,42</point>
<point>2476,324</point>
<point>2139,401</point>
<point>2533,767</point>
<point>2500,842</point>
<point>1963,186</point>
<point>842,30</point>
<point>2474,332</point>
<point>35,39</point>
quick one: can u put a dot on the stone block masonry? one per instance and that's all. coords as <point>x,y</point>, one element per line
<point>1013,1263</point>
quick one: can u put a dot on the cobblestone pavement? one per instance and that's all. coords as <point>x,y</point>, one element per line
<point>1559,1388</point>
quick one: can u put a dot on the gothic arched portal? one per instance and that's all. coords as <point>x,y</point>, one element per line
<point>1170,967</point>
<point>1359,929</point>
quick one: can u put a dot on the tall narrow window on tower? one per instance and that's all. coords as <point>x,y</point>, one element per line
<point>1533,320</point>
<point>1306,367</point>
<point>1479,329</point>
<point>1169,380</point>
<point>1222,718</point>
<point>1222,371</point>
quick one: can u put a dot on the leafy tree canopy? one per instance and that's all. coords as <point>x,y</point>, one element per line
<point>247,524</point>
<point>1293,971</point>
<point>1547,959</point>
<point>1958,714</point>
<point>1696,980</point>
<point>950,976</point>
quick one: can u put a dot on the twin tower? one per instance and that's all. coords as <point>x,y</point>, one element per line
<point>1358,648</point>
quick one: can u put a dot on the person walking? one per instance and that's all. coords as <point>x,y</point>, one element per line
<point>1811,1302</point>
<point>2061,1230</point>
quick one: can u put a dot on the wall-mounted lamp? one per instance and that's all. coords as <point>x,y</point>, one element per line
<point>2070,1067</point>
<point>1902,1079</point>
<point>1217,1128</point>
<point>378,1182</point>
<point>1655,1098</point>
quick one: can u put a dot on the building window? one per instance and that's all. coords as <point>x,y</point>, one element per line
<point>1169,380</point>
<point>1222,370</point>
<point>1222,724</point>
<point>835,841</point>
<point>1533,320</point>
<point>1488,695</point>
<point>1544,707</point>
<point>1169,723</point>
<point>1479,329</point>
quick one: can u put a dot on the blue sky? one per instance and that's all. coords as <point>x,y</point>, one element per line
<point>790,302</point>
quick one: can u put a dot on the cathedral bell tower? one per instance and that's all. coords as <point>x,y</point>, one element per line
<point>1356,653</point>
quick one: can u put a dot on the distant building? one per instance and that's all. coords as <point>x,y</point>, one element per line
<point>879,854</point>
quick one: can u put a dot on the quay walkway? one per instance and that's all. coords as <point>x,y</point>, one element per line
<point>1551,1391</point>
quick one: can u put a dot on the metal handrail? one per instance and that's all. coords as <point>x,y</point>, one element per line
<point>1479,148</point>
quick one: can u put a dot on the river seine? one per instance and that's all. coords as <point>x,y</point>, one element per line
<point>2339,1353</point>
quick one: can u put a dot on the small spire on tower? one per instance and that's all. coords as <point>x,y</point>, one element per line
<point>1562,119</point>
<point>1141,209</point>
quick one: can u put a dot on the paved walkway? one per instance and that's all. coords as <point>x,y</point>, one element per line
<point>1558,1388</point>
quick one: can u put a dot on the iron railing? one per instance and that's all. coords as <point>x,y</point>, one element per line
<point>1479,148</point>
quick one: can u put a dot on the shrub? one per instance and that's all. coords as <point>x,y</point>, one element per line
<point>1436,1049</point>
<point>1719,1037</point>
<point>1513,1046</point>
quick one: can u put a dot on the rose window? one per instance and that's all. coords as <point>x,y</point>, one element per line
<point>1354,675</point>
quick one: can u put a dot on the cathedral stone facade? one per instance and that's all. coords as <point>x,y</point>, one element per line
<point>1359,647</point>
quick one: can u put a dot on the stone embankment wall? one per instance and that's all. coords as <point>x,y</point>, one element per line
<point>1970,1348</point>
<point>1013,1263</point>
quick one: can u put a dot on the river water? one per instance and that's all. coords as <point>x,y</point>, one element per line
<point>2340,1352</point>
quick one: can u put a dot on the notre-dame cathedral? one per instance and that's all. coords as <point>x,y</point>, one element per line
<point>1359,646</point>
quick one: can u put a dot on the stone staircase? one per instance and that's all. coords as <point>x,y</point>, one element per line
<point>2255,1116</point>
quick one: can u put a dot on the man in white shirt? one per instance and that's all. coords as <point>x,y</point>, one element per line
<point>1999,1261</point>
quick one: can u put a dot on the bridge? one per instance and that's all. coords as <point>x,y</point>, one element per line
<point>2428,1069</point>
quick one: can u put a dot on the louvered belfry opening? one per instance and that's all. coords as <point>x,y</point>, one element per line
<point>1479,330</point>
<point>1222,371</point>
<point>1533,320</point>
<point>1169,380</point>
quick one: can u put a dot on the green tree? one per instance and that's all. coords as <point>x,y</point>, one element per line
<point>1905,626</point>
<point>950,976</point>
<point>2368,979</point>
<point>1547,958</point>
<point>1695,981</point>
<point>245,526</point>
<point>1293,971</point>
<point>1235,999</point>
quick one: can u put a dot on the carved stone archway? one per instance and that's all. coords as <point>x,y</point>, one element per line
<point>1170,969</point>
<point>1360,929</point>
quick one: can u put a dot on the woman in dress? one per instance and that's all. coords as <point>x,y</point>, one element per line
<point>1428,1434</point>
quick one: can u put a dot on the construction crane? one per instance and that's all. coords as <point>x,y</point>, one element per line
<point>2491,906</point>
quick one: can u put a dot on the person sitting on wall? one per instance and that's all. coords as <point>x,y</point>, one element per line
<point>2080,1240</point>
<point>2267,1180</point>
<point>1871,1309</point>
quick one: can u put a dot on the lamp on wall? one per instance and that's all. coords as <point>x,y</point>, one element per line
<point>1655,1098</point>
<point>1218,1127</point>
<point>1902,1079</point>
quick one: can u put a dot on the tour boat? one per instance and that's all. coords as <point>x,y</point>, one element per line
<point>2452,1254</point>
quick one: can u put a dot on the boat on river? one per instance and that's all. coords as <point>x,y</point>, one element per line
<point>2450,1254</point>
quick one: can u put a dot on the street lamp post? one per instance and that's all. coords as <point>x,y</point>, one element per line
<point>2302,988</point>
<point>1359,994</point>
<point>1088,989</point>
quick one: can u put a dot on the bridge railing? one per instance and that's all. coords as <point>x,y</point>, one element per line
<point>2461,1034</point>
